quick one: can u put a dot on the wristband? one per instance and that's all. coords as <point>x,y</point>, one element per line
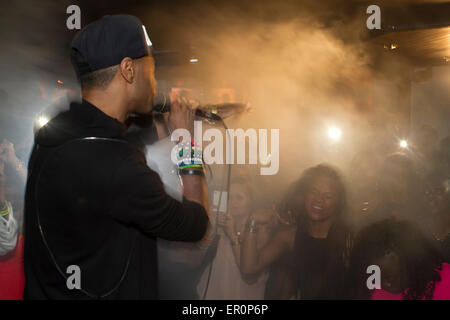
<point>195,172</point>
<point>190,156</point>
<point>190,166</point>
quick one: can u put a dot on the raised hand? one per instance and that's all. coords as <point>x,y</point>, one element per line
<point>226,221</point>
<point>181,115</point>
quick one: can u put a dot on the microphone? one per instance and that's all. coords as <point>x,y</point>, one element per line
<point>210,111</point>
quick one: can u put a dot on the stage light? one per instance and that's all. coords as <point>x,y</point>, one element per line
<point>193,60</point>
<point>334,134</point>
<point>42,121</point>
<point>391,46</point>
<point>403,144</point>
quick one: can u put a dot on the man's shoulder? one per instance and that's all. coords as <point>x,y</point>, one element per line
<point>57,130</point>
<point>102,151</point>
<point>94,154</point>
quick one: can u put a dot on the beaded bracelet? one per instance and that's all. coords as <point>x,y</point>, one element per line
<point>190,156</point>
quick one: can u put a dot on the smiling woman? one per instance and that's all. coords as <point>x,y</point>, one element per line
<point>317,245</point>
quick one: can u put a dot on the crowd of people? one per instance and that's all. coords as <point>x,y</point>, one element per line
<point>390,210</point>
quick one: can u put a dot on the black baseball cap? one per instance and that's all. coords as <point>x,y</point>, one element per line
<point>105,42</point>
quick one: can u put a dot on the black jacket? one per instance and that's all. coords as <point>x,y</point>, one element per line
<point>100,208</point>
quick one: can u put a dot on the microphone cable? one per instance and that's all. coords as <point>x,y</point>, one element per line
<point>228,183</point>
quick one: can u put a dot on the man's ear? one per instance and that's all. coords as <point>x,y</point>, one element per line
<point>128,69</point>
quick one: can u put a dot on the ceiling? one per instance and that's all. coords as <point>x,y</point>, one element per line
<point>427,47</point>
<point>417,30</point>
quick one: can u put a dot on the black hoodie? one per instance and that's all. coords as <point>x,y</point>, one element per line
<point>100,209</point>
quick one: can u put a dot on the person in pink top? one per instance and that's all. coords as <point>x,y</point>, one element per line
<point>411,268</point>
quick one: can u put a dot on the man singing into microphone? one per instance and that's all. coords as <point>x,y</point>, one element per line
<point>93,208</point>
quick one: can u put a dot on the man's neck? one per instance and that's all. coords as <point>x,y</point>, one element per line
<point>107,102</point>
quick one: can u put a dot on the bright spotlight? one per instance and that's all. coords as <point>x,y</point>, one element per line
<point>403,144</point>
<point>193,60</point>
<point>334,134</point>
<point>42,121</point>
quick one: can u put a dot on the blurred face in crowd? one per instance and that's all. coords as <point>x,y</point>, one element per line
<point>392,275</point>
<point>321,199</point>
<point>239,200</point>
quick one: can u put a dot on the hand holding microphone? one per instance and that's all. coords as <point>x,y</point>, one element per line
<point>181,115</point>
<point>215,112</point>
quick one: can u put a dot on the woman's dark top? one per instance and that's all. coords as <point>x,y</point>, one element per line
<point>321,264</point>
